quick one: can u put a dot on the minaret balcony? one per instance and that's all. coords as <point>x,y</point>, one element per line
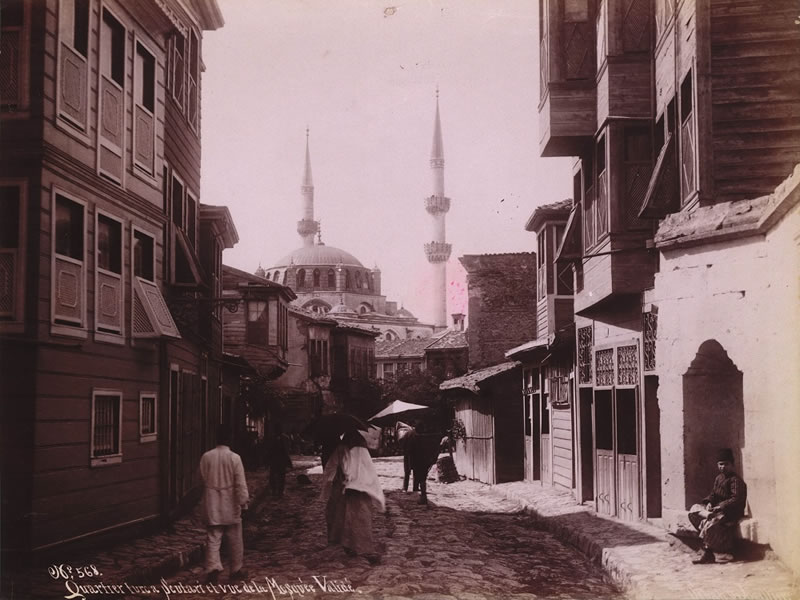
<point>438,251</point>
<point>307,227</point>
<point>437,204</point>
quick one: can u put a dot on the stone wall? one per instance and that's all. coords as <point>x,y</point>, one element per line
<point>502,304</point>
<point>728,360</point>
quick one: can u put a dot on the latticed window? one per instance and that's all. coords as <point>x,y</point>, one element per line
<point>650,327</point>
<point>604,364</point>
<point>628,365</point>
<point>106,425</point>
<point>585,355</point>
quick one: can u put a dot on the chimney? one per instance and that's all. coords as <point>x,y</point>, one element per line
<point>458,321</point>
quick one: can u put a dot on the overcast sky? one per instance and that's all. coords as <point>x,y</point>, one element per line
<point>362,76</point>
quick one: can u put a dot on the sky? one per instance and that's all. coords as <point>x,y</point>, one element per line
<point>362,76</point>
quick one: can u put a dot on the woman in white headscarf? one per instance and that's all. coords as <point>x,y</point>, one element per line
<point>351,490</point>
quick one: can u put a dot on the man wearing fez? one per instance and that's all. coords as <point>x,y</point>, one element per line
<point>716,516</point>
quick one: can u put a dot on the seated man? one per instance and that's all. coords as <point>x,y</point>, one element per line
<point>716,516</point>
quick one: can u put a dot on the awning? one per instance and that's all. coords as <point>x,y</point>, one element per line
<point>570,248</point>
<point>471,381</point>
<point>662,194</point>
<point>524,351</point>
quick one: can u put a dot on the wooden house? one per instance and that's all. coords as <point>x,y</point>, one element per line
<point>305,385</point>
<point>682,117</point>
<point>353,369</point>
<point>547,360</point>
<point>489,404</point>
<point>108,391</point>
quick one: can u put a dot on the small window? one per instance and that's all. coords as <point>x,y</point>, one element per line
<point>275,276</point>
<point>301,278</point>
<point>601,155</point>
<point>659,134</point>
<point>74,19</point>
<point>577,188</point>
<point>686,97</point>
<point>11,252</point>
<point>358,280</point>
<point>331,278</point>
<point>147,417</point>
<point>347,282</point>
<point>257,323</point>
<point>316,278</point>
<point>109,244</point>
<point>637,144</point>
<point>178,67</point>
<point>145,73</point>
<point>177,202</point>
<point>191,219</point>
<point>576,11</point>
<point>9,217</point>
<point>113,49</point>
<point>106,443</point>
<point>143,255</point>
<point>69,228</point>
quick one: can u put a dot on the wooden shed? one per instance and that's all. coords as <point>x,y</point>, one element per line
<point>489,404</point>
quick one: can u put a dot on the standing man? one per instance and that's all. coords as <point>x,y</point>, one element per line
<point>225,496</point>
<point>716,516</point>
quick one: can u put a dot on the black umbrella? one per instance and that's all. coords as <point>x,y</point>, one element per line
<point>329,428</point>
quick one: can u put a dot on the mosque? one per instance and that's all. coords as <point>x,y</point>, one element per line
<point>332,281</point>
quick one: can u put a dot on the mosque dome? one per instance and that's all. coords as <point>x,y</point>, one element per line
<point>404,312</point>
<point>319,255</point>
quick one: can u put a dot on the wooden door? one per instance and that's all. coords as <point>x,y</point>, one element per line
<point>626,446</point>
<point>605,492</point>
<point>547,460</point>
<point>606,497</point>
<point>628,487</point>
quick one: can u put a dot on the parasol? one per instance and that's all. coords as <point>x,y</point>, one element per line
<point>395,411</point>
<point>336,424</point>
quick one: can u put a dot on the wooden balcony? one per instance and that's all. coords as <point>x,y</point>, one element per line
<point>621,266</point>
<point>568,106</point>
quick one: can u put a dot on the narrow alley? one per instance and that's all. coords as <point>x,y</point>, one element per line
<point>469,543</point>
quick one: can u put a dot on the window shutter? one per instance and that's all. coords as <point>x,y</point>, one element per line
<point>151,317</point>
<point>69,295</point>
<point>109,302</point>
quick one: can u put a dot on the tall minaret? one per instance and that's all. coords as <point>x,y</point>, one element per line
<point>437,205</point>
<point>307,227</point>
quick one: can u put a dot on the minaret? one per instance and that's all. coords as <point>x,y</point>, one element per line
<point>437,205</point>
<point>307,227</point>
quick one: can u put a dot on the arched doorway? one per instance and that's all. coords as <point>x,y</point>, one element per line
<point>713,416</point>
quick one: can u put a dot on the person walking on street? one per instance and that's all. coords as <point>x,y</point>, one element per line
<point>350,488</point>
<point>716,516</point>
<point>225,496</point>
<point>279,461</point>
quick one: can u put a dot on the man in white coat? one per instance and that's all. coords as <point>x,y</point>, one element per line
<point>224,498</point>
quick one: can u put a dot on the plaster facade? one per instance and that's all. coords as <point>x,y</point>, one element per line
<point>724,309</point>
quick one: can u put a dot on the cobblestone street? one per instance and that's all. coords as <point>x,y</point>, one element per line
<point>467,543</point>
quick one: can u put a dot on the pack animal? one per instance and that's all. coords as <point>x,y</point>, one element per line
<point>420,453</point>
